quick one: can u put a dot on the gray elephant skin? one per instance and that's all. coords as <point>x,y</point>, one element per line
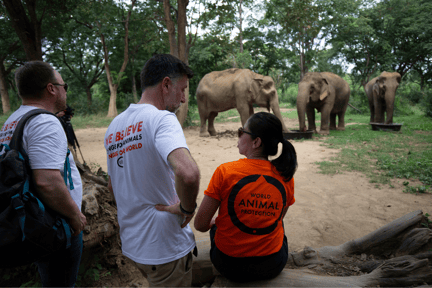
<point>381,92</point>
<point>329,95</point>
<point>219,91</point>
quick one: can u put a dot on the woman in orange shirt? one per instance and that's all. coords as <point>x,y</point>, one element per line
<point>253,195</point>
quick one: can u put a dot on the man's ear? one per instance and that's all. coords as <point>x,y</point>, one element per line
<point>166,82</point>
<point>50,89</point>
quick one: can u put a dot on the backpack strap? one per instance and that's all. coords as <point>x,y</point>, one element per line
<point>16,141</point>
<point>67,171</point>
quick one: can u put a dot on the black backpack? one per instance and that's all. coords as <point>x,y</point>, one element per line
<point>29,230</point>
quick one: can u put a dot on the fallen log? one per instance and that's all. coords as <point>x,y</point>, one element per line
<point>400,255</point>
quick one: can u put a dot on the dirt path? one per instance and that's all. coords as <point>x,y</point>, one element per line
<point>329,210</point>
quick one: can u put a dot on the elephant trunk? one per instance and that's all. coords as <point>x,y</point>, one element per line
<point>302,101</point>
<point>390,98</point>
<point>274,105</point>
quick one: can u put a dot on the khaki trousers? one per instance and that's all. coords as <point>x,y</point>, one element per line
<point>177,273</point>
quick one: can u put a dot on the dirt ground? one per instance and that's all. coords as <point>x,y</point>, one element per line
<point>329,210</point>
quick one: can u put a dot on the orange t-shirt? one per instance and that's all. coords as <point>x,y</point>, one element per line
<point>253,196</point>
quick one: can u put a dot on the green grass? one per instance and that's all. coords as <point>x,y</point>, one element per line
<point>382,156</point>
<point>96,120</point>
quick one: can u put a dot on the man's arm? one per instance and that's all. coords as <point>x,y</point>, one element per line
<point>53,192</point>
<point>187,178</point>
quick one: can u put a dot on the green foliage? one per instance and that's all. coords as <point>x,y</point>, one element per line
<point>359,100</point>
<point>415,189</point>
<point>390,35</point>
<point>207,55</point>
<point>426,102</point>
<point>411,91</point>
<point>328,61</point>
<point>289,95</point>
<point>301,23</point>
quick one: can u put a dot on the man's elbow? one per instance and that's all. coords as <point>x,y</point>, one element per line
<point>42,186</point>
<point>190,177</point>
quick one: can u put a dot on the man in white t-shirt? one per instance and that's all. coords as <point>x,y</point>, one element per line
<point>44,140</point>
<point>153,176</point>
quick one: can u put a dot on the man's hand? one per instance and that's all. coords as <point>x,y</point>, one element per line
<point>78,224</point>
<point>175,209</point>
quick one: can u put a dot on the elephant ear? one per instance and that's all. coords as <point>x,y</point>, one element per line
<point>324,90</point>
<point>375,89</point>
<point>379,86</point>
<point>258,81</point>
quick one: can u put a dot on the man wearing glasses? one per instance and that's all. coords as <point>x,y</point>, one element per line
<point>44,140</point>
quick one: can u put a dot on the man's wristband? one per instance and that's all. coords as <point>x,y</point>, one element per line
<point>187,212</point>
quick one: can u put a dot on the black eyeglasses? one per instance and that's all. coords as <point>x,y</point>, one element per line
<point>241,130</point>
<point>65,85</point>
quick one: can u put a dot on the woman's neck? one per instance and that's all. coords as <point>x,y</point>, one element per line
<point>257,156</point>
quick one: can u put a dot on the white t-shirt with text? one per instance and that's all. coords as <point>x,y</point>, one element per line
<point>45,143</point>
<point>138,142</point>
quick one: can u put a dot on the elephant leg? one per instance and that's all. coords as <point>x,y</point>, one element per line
<point>341,121</point>
<point>310,112</point>
<point>389,112</point>
<point>203,113</point>
<point>251,110</point>
<point>211,128</point>
<point>203,119</point>
<point>325,117</point>
<point>372,111</point>
<point>379,113</point>
<point>245,112</point>
<point>332,121</point>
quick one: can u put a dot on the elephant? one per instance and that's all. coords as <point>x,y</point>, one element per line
<point>219,91</point>
<point>381,92</point>
<point>326,92</point>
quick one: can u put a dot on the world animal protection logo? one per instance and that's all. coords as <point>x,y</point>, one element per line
<point>253,212</point>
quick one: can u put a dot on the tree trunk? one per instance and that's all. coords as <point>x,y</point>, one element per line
<point>240,27</point>
<point>112,108</point>
<point>28,30</point>
<point>89,96</point>
<point>179,50</point>
<point>134,90</point>
<point>3,90</point>
<point>301,64</point>
<point>181,30</point>
<point>171,28</point>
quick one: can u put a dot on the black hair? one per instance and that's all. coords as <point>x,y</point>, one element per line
<point>269,128</point>
<point>33,77</point>
<point>163,65</point>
